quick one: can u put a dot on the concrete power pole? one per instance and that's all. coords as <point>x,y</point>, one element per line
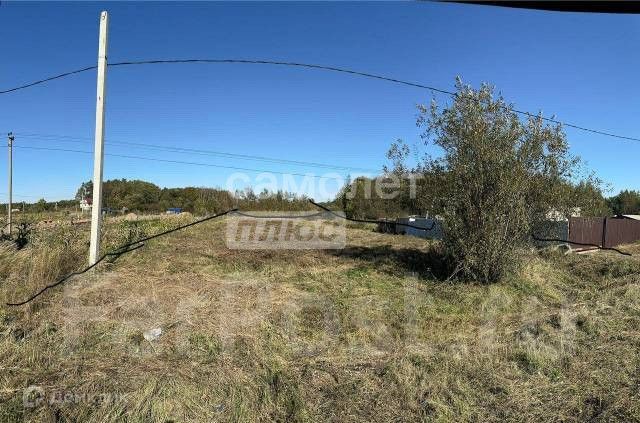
<point>96,208</point>
<point>10,205</point>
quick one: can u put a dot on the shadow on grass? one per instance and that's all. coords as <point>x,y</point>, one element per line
<point>431,264</point>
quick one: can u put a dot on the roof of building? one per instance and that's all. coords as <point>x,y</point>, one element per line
<point>632,216</point>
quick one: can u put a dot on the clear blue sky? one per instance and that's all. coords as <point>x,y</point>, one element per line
<point>583,68</point>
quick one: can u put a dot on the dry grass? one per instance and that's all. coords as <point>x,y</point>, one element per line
<point>368,333</point>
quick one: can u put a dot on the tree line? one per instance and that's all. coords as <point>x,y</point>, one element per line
<point>122,195</point>
<point>372,198</point>
<point>362,197</point>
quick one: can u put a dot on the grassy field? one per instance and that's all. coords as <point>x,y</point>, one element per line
<point>367,333</point>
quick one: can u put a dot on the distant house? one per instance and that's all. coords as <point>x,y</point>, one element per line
<point>557,216</point>
<point>419,226</point>
<point>555,226</point>
<point>85,205</point>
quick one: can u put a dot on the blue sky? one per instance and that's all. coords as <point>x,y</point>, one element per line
<point>582,68</point>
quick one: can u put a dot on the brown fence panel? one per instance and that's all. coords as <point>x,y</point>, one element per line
<point>585,230</point>
<point>622,231</point>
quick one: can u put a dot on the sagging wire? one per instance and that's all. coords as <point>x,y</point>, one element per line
<point>566,241</point>
<point>383,222</point>
<point>123,249</point>
<point>135,245</point>
<point>433,225</point>
<point>311,66</point>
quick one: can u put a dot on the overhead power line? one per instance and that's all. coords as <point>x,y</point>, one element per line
<point>308,66</point>
<point>126,156</point>
<point>83,140</point>
<point>21,195</point>
<point>51,78</point>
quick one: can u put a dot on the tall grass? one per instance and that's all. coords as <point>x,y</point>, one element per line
<point>348,335</point>
<point>55,251</point>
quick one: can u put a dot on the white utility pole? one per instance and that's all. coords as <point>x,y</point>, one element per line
<point>10,205</point>
<point>96,208</point>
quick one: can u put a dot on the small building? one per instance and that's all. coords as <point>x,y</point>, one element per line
<point>555,227</point>
<point>419,226</point>
<point>174,210</point>
<point>558,216</point>
<point>85,205</point>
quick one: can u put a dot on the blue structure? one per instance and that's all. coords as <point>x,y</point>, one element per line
<point>174,210</point>
<point>421,222</point>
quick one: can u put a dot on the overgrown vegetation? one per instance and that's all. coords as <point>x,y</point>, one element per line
<point>377,198</point>
<point>495,180</point>
<point>360,334</point>
<point>187,330</point>
<point>626,202</point>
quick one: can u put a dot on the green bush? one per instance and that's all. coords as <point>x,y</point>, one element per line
<point>495,181</point>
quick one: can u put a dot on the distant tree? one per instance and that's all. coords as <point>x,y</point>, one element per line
<point>134,195</point>
<point>387,195</point>
<point>142,196</point>
<point>588,197</point>
<point>342,196</point>
<point>40,206</point>
<point>626,202</point>
<point>85,191</point>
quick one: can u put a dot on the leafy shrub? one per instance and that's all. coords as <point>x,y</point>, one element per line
<point>21,238</point>
<point>23,235</point>
<point>496,180</point>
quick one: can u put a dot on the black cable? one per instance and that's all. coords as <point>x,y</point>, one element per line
<point>580,243</point>
<point>123,249</point>
<point>174,161</point>
<point>243,61</point>
<point>433,224</point>
<point>70,138</point>
<point>63,138</point>
<point>280,63</point>
<point>21,195</point>
<point>51,78</point>
<point>64,279</point>
<point>582,128</point>
<point>134,245</point>
<point>276,216</point>
<point>309,66</point>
